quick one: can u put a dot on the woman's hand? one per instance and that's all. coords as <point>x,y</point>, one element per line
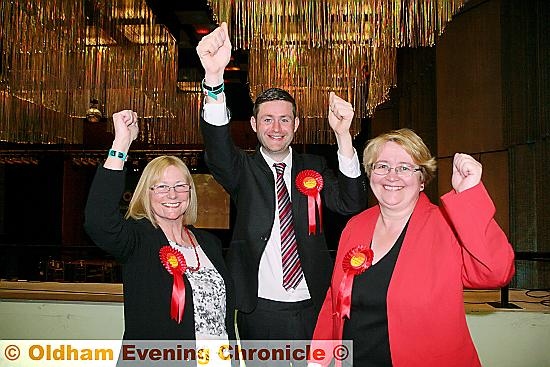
<point>466,172</point>
<point>126,129</point>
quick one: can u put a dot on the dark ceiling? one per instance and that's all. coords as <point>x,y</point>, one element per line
<point>188,21</point>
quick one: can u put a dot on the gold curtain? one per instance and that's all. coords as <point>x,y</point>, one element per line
<point>40,41</point>
<point>57,55</point>
<point>311,47</point>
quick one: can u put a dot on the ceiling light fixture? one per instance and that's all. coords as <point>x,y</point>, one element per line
<point>93,114</point>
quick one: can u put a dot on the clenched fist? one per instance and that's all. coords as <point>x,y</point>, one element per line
<point>466,172</point>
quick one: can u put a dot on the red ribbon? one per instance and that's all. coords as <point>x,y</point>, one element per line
<point>310,183</point>
<point>174,262</point>
<point>356,261</point>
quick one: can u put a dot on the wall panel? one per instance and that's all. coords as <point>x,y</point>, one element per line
<point>469,95</point>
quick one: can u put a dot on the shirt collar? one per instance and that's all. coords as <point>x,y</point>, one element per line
<point>270,162</point>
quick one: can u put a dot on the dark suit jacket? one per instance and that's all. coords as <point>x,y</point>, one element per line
<point>147,284</point>
<point>249,181</point>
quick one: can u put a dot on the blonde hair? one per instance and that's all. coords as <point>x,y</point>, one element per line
<point>140,205</point>
<point>410,142</point>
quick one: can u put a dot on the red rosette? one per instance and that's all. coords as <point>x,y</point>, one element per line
<point>174,263</point>
<point>358,259</point>
<point>310,183</point>
<point>355,262</point>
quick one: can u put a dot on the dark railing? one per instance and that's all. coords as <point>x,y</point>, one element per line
<point>88,263</point>
<point>504,291</point>
<point>53,262</point>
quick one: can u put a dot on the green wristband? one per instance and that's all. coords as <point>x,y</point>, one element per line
<point>117,154</point>
<point>212,92</point>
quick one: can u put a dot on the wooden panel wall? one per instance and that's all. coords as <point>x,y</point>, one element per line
<point>493,102</point>
<point>469,99</point>
<point>469,90</point>
<point>413,102</point>
<point>526,106</point>
<point>484,90</point>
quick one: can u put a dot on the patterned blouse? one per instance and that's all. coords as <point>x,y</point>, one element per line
<point>208,294</point>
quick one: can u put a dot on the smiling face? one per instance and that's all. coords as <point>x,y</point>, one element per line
<point>171,205</point>
<point>275,126</point>
<point>396,193</point>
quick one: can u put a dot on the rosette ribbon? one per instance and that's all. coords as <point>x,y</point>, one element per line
<point>355,262</point>
<point>310,183</point>
<point>174,262</point>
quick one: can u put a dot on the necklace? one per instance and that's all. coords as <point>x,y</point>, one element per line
<point>192,268</point>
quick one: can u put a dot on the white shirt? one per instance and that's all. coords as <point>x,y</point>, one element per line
<point>270,273</point>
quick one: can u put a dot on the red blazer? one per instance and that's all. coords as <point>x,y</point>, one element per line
<point>445,250</point>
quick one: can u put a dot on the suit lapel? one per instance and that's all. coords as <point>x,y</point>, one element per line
<point>267,184</point>
<point>261,164</point>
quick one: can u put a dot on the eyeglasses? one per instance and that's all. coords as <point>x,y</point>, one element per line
<point>164,189</point>
<point>403,170</point>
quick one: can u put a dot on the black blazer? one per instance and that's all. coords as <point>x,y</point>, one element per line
<point>147,284</point>
<point>249,181</point>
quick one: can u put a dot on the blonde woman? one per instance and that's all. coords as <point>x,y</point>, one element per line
<point>176,286</point>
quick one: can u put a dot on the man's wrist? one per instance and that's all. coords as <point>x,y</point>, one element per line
<point>213,80</point>
<point>212,91</point>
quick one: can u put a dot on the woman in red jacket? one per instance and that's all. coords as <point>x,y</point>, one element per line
<point>401,266</point>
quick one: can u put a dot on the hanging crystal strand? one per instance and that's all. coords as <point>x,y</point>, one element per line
<point>268,27</point>
<point>239,29</point>
<point>36,58</point>
<point>282,23</point>
<point>49,56</point>
<point>40,70</point>
<point>235,32</point>
<point>417,16</point>
<point>5,100</point>
<point>61,94</point>
<point>151,93</point>
<point>313,16</point>
<point>243,20</point>
<point>27,85</point>
<point>33,91</point>
<point>250,22</point>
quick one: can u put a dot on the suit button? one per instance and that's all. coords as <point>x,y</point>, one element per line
<point>264,238</point>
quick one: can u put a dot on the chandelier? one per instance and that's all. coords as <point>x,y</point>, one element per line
<point>59,55</point>
<point>313,47</point>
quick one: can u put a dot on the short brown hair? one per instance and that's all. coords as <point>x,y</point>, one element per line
<point>273,94</point>
<point>140,205</point>
<point>410,142</point>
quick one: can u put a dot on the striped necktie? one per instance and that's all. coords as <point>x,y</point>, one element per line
<point>292,268</point>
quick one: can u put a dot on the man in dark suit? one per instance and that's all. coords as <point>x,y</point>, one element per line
<point>269,307</point>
